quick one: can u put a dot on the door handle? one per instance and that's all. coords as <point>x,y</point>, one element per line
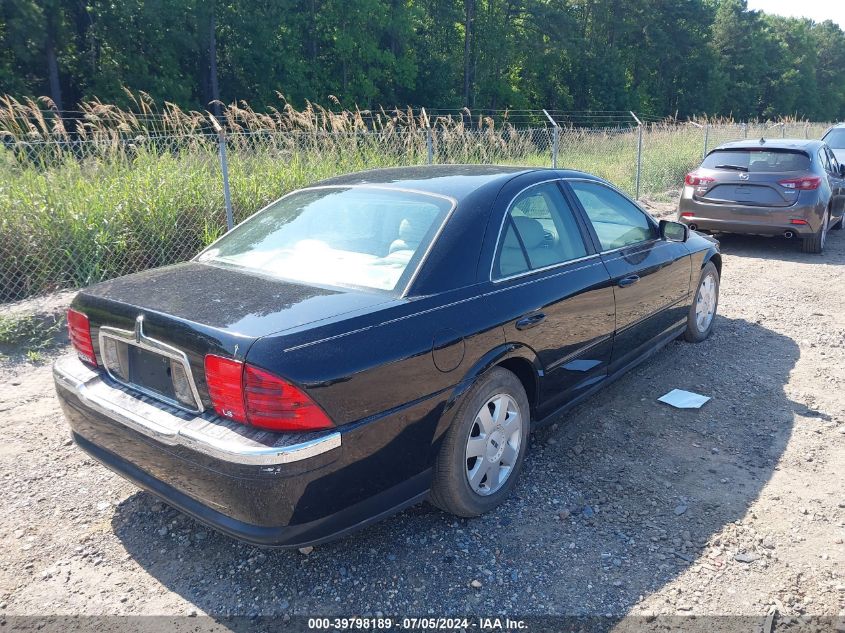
<point>530,321</point>
<point>628,281</point>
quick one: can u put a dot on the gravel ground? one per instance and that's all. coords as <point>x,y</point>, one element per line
<point>626,506</point>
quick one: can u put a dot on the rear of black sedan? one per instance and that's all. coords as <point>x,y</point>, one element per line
<point>375,340</point>
<point>286,394</point>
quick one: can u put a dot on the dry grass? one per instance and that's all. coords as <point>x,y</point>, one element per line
<point>106,191</point>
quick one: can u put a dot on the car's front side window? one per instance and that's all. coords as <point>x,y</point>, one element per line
<point>831,157</point>
<point>540,230</point>
<point>356,236</point>
<point>825,163</point>
<point>617,221</point>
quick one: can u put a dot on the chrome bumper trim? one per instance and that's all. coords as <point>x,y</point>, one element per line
<point>208,434</point>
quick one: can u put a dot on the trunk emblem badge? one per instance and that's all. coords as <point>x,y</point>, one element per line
<point>139,328</point>
<point>743,176</point>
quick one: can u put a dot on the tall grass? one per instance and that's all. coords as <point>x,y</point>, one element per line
<point>104,192</point>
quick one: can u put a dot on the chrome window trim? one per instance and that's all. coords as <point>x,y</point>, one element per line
<point>502,227</point>
<point>643,244</point>
<point>544,268</point>
<point>139,339</point>
<point>404,293</point>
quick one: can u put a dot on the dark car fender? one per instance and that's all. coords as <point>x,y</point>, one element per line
<point>703,249</point>
<point>516,357</point>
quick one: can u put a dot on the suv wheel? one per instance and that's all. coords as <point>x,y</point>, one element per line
<point>815,244</point>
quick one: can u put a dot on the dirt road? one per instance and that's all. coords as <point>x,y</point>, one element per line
<point>625,506</point>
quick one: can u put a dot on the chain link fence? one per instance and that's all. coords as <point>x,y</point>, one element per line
<point>74,212</point>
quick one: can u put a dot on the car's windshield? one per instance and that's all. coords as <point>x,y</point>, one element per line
<point>835,138</point>
<point>354,236</point>
<point>757,160</point>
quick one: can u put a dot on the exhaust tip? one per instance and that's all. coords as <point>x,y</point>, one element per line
<point>692,227</point>
<point>788,234</point>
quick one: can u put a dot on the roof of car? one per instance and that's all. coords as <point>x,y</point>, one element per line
<point>773,143</point>
<point>456,181</point>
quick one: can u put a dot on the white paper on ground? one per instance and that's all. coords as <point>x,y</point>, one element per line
<point>681,399</point>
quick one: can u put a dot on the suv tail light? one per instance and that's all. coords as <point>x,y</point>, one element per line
<point>694,180</point>
<point>253,396</point>
<point>808,183</point>
<point>79,329</point>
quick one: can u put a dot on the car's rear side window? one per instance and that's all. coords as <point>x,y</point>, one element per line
<point>540,230</point>
<point>357,236</point>
<point>757,160</point>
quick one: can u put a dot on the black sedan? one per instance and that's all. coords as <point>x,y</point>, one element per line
<point>375,340</point>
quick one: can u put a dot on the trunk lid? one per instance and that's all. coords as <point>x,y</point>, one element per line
<point>193,309</point>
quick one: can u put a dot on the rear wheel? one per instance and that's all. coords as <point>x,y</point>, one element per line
<point>815,244</point>
<point>702,312</point>
<point>483,451</point>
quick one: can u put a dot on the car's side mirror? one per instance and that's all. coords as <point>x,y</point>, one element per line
<point>673,231</point>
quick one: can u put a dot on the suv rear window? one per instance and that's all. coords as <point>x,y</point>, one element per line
<point>757,160</point>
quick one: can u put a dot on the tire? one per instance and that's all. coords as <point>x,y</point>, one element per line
<point>451,489</point>
<point>839,225</point>
<point>706,297</point>
<point>815,244</point>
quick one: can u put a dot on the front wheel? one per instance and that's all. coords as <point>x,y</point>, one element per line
<point>702,312</point>
<point>484,448</point>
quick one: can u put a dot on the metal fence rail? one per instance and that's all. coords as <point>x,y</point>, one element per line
<point>73,212</point>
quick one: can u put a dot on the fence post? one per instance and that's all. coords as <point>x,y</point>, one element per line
<point>227,195</point>
<point>806,130</point>
<point>706,139</point>
<point>745,130</point>
<point>224,168</point>
<point>782,129</point>
<point>639,154</point>
<point>429,141</point>
<point>555,139</point>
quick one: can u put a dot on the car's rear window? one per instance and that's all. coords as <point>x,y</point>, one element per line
<point>835,138</point>
<point>355,236</point>
<point>757,160</point>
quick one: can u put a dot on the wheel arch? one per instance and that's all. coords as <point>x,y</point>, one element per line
<point>716,258</point>
<point>517,358</point>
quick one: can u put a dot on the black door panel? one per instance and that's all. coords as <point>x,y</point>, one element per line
<point>650,276</point>
<point>573,340</point>
<point>656,302</point>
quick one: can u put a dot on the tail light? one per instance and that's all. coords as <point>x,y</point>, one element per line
<point>798,221</point>
<point>688,214</point>
<point>253,396</point>
<point>693,179</point>
<point>808,183</point>
<point>79,329</point>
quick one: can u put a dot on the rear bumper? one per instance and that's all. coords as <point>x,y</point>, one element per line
<point>259,487</point>
<point>738,218</point>
<point>717,225</point>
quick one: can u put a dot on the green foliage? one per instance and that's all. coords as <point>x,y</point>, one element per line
<point>659,58</point>
<point>30,332</point>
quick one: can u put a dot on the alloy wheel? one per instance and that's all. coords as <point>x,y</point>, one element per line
<point>493,444</point>
<point>705,304</point>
